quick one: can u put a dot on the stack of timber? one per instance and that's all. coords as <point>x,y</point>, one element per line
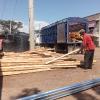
<point>27,62</point>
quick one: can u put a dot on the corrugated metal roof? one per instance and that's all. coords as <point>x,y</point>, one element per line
<point>93,17</point>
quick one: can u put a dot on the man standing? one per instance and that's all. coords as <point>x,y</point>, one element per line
<point>1,44</point>
<point>89,49</point>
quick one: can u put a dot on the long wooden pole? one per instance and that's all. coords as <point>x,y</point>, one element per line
<point>62,56</point>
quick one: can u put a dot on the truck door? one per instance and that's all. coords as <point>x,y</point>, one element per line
<point>61,33</point>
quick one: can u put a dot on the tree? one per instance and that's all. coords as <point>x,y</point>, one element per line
<point>7,24</point>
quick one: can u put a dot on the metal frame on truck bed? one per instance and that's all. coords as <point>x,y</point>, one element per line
<point>61,33</point>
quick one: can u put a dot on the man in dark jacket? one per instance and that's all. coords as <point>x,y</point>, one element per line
<point>89,48</point>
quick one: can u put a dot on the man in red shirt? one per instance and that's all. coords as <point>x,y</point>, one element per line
<point>1,45</point>
<point>89,48</point>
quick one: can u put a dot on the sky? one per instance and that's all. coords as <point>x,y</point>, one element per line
<point>47,11</point>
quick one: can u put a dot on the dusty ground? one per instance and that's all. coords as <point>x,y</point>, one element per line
<point>25,84</point>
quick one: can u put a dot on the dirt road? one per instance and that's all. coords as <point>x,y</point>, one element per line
<point>26,84</point>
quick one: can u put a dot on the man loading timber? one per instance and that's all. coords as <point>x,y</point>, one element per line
<point>89,48</point>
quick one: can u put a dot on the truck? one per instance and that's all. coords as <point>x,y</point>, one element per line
<point>63,33</point>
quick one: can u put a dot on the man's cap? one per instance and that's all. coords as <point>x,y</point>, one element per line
<point>81,31</point>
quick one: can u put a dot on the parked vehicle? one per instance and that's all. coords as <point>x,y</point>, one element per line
<point>63,33</point>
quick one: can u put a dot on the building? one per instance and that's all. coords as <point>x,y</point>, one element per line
<point>94,27</point>
<point>17,42</point>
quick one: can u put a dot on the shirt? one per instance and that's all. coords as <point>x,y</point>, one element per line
<point>88,43</point>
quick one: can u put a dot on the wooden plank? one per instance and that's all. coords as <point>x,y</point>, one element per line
<point>39,66</point>
<point>3,69</point>
<point>71,64</point>
<point>62,56</point>
<point>26,66</point>
<point>35,64</point>
<point>22,72</point>
<point>20,61</point>
<point>18,64</point>
<point>63,67</point>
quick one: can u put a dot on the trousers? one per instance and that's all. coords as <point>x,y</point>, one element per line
<point>88,59</point>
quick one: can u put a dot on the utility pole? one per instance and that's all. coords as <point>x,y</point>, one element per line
<point>31,25</point>
<point>10,26</point>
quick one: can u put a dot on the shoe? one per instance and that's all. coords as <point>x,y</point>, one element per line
<point>90,68</point>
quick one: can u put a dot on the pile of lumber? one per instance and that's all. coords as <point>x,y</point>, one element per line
<point>75,35</point>
<point>17,63</point>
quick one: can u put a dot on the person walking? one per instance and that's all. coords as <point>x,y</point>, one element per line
<point>89,48</point>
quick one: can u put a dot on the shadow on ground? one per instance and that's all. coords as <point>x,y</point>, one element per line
<point>78,96</point>
<point>1,82</point>
<point>1,76</point>
<point>26,92</point>
<point>97,90</point>
<point>86,96</point>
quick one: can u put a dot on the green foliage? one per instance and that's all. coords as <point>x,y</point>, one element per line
<point>6,26</point>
